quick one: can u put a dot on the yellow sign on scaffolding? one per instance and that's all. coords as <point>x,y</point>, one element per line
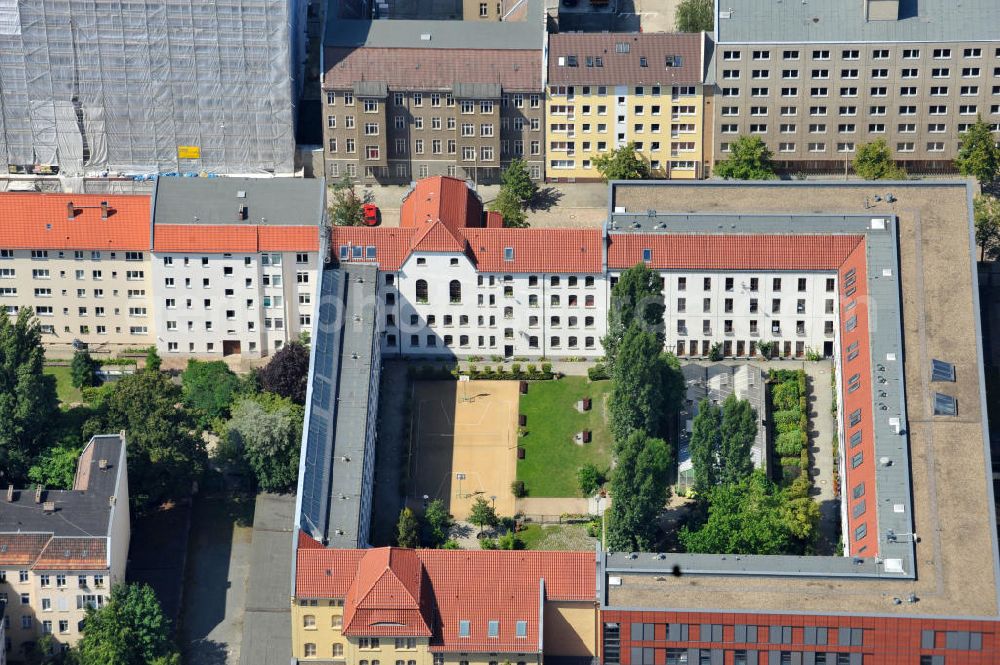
<point>188,152</point>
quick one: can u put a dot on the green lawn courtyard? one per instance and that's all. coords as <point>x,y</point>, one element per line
<point>64,384</point>
<point>551,456</point>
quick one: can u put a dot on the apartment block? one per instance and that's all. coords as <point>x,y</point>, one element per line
<point>817,80</point>
<point>62,550</point>
<point>409,99</point>
<point>234,263</point>
<point>605,90</point>
<point>81,262</point>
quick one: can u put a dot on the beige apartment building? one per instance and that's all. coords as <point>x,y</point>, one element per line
<point>82,262</point>
<point>404,100</point>
<point>817,80</point>
<point>62,550</point>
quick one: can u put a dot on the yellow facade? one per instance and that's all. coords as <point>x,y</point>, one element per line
<point>665,122</point>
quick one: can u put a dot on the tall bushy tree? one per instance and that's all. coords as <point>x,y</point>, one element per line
<point>28,400</point>
<point>347,208</point>
<point>153,360</point>
<point>287,374</point>
<point>753,516</point>
<point>266,430</point>
<point>131,629</point>
<point>738,430</point>
<point>516,179</point>
<point>987,217</point>
<point>511,208</point>
<point>622,163</point>
<point>164,454</point>
<point>56,468</point>
<point>407,529</point>
<point>437,524</point>
<point>749,159</point>
<point>694,16</point>
<point>639,490</point>
<point>208,389</point>
<point>647,386</point>
<point>704,445</point>
<point>82,370</point>
<point>636,299</point>
<point>979,155</point>
<point>873,161</point>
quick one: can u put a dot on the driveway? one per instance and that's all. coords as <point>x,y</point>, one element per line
<point>211,623</point>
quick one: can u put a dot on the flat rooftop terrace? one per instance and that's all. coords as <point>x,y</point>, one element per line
<point>952,500</point>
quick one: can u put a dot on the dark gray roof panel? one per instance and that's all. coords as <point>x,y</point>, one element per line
<point>269,201</point>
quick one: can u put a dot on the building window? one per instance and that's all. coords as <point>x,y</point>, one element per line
<point>421,291</point>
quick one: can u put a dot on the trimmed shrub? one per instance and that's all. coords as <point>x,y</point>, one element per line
<point>518,490</point>
<point>598,372</point>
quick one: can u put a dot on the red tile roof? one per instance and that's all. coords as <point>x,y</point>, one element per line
<point>388,596</point>
<point>436,237</point>
<point>31,220</point>
<point>433,68</point>
<point>624,68</point>
<point>392,244</point>
<point>73,554</point>
<point>22,549</point>
<point>536,250</point>
<point>455,585</point>
<point>248,238</point>
<point>731,252</point>
<point>444,199</point>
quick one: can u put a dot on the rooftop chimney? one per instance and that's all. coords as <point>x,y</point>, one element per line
<point>49,507</point>
<point>102,465</point>
<point>10,493</point>
<point>104,209</point>
<point>38,494</point>
<point>70,210</point>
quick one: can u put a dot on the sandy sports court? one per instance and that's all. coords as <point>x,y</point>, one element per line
<point>463,441</point>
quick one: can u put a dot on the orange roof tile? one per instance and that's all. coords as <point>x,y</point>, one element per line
<point>477,586</point>
<point>22,549</point>
<point>73,554</point>
<point>288,238</point>
<point>536,250</point>
<point>444,199</point>
<point>731,252</point>
<point>436,237</point>
<point>32,220</point>
<point>392,244</point>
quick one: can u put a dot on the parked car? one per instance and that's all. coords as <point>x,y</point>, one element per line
<point>371,214</point>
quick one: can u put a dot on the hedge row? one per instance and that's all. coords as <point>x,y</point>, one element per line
<point>791,424</point>
<point>530,372</point>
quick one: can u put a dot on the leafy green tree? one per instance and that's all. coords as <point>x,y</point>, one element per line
<point>590,479</point>
<point>482,514</point>
<point>749,159</point>
<point>287,374</point>
<point>753,516</point>
<point>437,524</point>
<point>636,299</point>
<point>153,360</point>
<point>56,468</point>
<point>511,208</point>
<point>622,163</point>
<point>639,490</point>
<point>510,541</point>
<point>131,629</point>
<point>695,16</point>
<point>165,455</point>
<point>704,445</point>
<point>266,430</point>
<point>83,370</point>
<point>208,389</point>
<point>408,529</point>
<point>987,216</point>
<point>737,433</point>
<point>978,155</point>
<point>873,161</point>
<point>28,403</point>
<point>516,179</point>
<point>646,388</point>
<point>347,208</point>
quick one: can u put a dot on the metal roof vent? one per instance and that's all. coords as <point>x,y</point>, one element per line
<point>425,36</point>
<point>241,194</point>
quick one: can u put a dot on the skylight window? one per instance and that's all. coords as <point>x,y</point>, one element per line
<point>463,628</point>
<point>508,253</point>
<point>344,252</point>
<point>647,255</point>
<point>357,252</point>
<point>942,371</point>
<point>370,252</point>
<point>521,629</point>
<point>945,405</point>
<point>493,628</point>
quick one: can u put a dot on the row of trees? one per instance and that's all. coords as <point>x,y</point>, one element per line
<point>647,389</point>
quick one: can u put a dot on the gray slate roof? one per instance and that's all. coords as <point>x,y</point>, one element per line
<point>792,21</point>
<point>269,201</point>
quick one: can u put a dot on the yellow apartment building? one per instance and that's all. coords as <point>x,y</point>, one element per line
<point>610,89</point>
<point>392,606</point>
